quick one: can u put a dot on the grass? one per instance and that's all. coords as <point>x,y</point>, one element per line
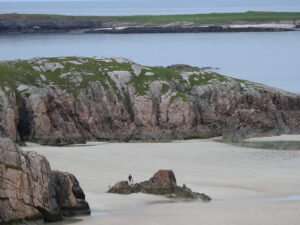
<point>179,95</point>
<point>11,166</point>
<point>89,70</point>
<point>211,18</point>
<point>142,82</point>
<point>164,89</point>
<point>196,79</point>
<point>21,72</point>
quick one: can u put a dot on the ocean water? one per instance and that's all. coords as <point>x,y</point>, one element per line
<point>270,58</point>
<point>138,7</point>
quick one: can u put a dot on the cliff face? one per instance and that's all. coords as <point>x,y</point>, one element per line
<point>70,100</point>
<point>30,192</point>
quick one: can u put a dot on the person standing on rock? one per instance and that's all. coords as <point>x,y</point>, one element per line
<point>130,178</point>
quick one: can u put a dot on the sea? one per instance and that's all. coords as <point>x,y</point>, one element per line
<point>269,58</point>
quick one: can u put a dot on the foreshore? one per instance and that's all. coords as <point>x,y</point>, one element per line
<point>283,137</point>
<point>246,185</point>
<point>196,23</point>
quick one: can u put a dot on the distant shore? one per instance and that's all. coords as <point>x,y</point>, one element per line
<point>213,22</point>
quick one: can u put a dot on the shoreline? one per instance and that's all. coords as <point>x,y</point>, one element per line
<point>282,137</point>
<point>169,29</point>
<point>192,29</point>
<point>239,180</point>
<point>193,23</point>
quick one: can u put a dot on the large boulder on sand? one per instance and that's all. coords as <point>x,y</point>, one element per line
<point>30,191</point>
<point>69,195</point>
<point>162,183</point>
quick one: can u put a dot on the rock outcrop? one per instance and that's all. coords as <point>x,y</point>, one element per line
<point>31,193</point>
<point>59,101</point>
<point>162,183</point>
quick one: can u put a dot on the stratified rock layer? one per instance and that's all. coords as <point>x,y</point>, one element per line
<point>162,183</point>
<point>30,191</point>
<point>59,101</point>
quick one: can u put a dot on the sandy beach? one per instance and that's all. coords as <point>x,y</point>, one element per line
<point>283,137</point>
<point>248,186</point>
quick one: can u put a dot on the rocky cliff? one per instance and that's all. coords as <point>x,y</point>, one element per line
<point>69,100</point>
<point>31,193</point>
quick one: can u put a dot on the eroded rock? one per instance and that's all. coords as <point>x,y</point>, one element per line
<point>120,77</point>
<point>30,191</point>
<point>137,69</point>
<point>163,182</point>
<point>51,66</point>
<point>8,114</point>
<point>69,195</point>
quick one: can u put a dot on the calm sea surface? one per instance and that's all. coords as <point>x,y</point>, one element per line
<point>130,7</point>
<point>270,58</point>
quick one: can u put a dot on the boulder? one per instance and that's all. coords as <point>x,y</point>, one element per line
<point>69,195</point>
<point>123,187</point>
<point>162,183</point>
<point>30,191</point>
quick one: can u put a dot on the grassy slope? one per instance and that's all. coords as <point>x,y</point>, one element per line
<point>22,72</point>
<point>19,72</point>
<point>212,18</point>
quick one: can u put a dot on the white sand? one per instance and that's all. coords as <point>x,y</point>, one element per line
<point>248,186</point>
<point>265,25</point>
<point>283,137</point>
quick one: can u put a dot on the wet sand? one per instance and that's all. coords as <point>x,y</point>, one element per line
<point>248,186</point>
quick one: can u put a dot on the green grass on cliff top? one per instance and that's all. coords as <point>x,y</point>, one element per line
<point>211,18</point>
<point>14,73</point>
